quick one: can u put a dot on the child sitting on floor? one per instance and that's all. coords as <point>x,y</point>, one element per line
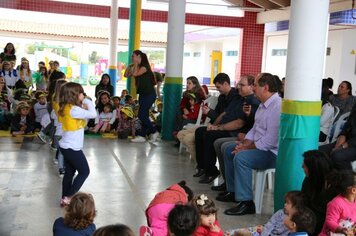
<point>22,123</point>
<point>209,224</point>
<point>159,208</point>
<point>300,222</point>
<point>341,211</point>
<point>293,200</point>
<point>79,217</point>
<point>103,120</point>
<point>182,220</point>
<point>127,125</point>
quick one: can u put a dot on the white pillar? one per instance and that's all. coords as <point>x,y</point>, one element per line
<point>113,43</point>
<point>308,28</point>
<point>175,40</point>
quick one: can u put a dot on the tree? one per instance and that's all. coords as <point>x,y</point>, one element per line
<point>93,57</point>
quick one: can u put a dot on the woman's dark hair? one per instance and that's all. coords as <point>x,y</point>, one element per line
<point>183,220</point>
<point>195,81</point>
<point>348,85</point>
<point>319,166</point>
<point>342,180</point>
<point>278,83</point>
<point>100,105</point>
<point>187,190</point>
<point>144,60</point>
<point>102,77</point>
<point>330,82</point>
<point>80,212</point>
<point>114,230</point>
<point>297,198</point>
<point>13,48</point>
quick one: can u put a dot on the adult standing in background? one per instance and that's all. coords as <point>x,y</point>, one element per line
<point>9,53</point>
<point>104,85</point>
<point>145,86</point>
<point>56,73</point>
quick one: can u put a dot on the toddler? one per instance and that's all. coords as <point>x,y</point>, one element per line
<point>103,120</point>
<point>294,200</point>
<point>191,113</point>
<point>79,217</point>
<point>127,123</point>
<point>209,224</point>
<point>300,222</point>
<point>159,208</point>
<point>182,220</point>
<point>343,207</point>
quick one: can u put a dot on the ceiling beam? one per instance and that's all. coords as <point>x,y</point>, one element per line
<point>281,3</point>
<point>239,3</point>
<point>266,4</point>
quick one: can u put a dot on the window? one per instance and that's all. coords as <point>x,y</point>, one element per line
<point>231,53</point>
<point>279,52</point>
<point>196,54</point>
<point>186,54</point>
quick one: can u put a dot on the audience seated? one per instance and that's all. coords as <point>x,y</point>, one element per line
<point>257,151</point>
<point>343,151</point>
<point>343,99</point>
<point>231,121</point>
<point>104,85</point>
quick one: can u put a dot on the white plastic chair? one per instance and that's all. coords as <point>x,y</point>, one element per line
<point>260,180</point>
<point>353,164</point>
<point>337,127</point>
<point>336,113</point>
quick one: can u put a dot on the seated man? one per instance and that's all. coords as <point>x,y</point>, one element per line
<point>232,121</point>
<point>227,95</point>
<point>257,151</point>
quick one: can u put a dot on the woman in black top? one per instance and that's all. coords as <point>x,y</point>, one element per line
<point>145,82</point>
<point>104,85</point>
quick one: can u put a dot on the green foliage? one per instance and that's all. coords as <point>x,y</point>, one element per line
<point>93,57</point>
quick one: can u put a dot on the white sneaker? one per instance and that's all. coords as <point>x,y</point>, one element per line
<point>153,137</point>
<point>138,139</point>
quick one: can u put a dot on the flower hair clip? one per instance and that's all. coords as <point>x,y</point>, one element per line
<point>202,199</point>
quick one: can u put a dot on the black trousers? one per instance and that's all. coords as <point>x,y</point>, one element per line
<point>205,151</point>
<point>341,158</point>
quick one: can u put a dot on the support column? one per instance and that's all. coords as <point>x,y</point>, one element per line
<point>172,90</point>
<point>84,64</point>
<point>113,43</point>
<point>301,107</point>
<point>252,37</point>
<point>134,39</point>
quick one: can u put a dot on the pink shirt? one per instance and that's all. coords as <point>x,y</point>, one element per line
<point>338,209</point>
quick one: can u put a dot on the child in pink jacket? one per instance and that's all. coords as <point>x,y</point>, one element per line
<point>159,208</point>
<point>341,211</point>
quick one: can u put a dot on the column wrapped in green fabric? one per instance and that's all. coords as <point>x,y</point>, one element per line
<point>172,93</point>
<point>298,132</point>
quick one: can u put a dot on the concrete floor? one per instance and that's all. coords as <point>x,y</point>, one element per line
<point>124,178</point>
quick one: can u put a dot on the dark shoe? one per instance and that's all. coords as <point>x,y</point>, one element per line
<point>200,172</point>
<point>221,187</point>
<point>209,179</point>
<point>223,193</point>
<point>228,197</point>
<point>242,208</point>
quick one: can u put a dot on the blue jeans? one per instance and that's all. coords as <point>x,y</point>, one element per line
<point>145,102</point>
<point>74,161</point>
<point>238,170</point>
